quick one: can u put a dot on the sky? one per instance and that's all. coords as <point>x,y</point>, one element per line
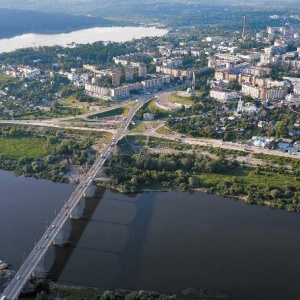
<point>88,6</point>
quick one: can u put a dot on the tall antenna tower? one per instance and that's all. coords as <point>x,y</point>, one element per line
<point>244,28</point>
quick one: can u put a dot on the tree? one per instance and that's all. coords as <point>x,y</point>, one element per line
<point>41,296</point>
<point>193,182</point>
<point>234,85</point>
<point>275,193</point>
<point>54,105</point>
<point>281,128</point>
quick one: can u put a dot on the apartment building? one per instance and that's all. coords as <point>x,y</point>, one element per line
<point>142,70</point>
<point>264,93</point>
<point>115,77</point>
<point>128,73</point>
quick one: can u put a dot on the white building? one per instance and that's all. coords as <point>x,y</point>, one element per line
<point>260,141</point>
<point>30,73</point>
<point>173,63</point>
<point>248,108</point>
<point>251,91</point>
<point>223,95</point>
<point>111,93</point>
<point>148,116</point>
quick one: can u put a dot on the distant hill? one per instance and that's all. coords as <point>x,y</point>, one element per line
<point>15,22</point>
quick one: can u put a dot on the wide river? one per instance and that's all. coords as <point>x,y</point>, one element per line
<point>84,36</point>
<point>157,241</point>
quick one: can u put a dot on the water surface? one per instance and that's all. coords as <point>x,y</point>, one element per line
<point>85,36</point>
<point>156,241</point>
<point>171,241</point>
<point>27,205</point>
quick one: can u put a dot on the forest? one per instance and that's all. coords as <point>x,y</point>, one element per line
<point>183,171</point>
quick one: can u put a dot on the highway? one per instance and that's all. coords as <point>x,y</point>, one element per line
<point>14,288</point>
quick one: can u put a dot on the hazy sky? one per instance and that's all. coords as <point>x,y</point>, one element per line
<point>87,6</point>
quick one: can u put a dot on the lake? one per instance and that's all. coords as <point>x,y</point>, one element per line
<point>85,36</point>
<point>163,241</point>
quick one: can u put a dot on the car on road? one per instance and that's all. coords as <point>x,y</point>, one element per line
<point>39,247</point>
<point>18,277</point>
<point>46,236</point>
<point>52,226</point>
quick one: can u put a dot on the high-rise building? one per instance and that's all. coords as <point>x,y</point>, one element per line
<point>128,72</point>
<point>115,77</point>
<point>142,70</point>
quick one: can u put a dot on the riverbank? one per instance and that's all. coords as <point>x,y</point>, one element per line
<point>31,288</point>
<point>49,290</point>
<point>267,184</point>
<point>55,154</point>
<point>5,274</point>
<point>78,292</point>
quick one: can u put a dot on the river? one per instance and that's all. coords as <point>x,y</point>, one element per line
<point>157,241</point>
<point>84,36</point>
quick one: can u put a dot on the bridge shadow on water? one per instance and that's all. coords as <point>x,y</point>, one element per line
<point>63,254</point>
<point>130,255</point>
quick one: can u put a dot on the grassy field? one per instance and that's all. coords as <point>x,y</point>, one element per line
<point>5,78</point>
<point>164,130</point>
<point>247,177</point>
<point>138,128</point>
<point>73,102</point>
<point>59,113</point>
<point>108,137</point>
<point>155,124</point>
<point>175,98</point>
<point>16,147</point>
<point>151,107</point>
<point>138,139</point>
<point>121,111</point>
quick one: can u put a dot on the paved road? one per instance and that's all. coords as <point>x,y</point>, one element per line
<point>163,100</point>
<point>214,143</point>
<point>15,286</point>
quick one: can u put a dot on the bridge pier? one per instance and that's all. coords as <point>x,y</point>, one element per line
<point>60,238</point>
<point>90,191</point>
<point>78,210</point>
<point>39,271</point>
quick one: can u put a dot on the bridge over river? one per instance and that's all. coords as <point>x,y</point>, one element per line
<point>73,208</point>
